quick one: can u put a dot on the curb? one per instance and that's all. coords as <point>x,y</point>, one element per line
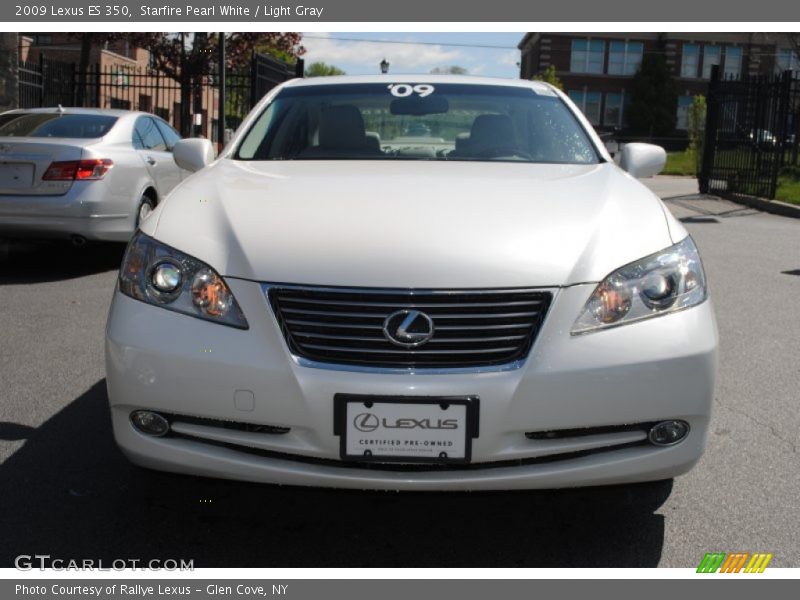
<point>776,207</point>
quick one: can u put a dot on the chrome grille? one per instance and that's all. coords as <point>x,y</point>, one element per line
<point>472,328</point>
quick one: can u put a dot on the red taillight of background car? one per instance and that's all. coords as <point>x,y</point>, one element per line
<point>85,170</point>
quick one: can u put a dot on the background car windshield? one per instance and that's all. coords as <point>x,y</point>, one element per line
<point>55,125</point>
<point>417,122</point>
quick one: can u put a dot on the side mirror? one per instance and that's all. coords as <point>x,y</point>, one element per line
<point>193,154</point>
<point>642,160</point>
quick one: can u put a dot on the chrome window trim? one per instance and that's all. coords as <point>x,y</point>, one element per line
<point>346,368</point>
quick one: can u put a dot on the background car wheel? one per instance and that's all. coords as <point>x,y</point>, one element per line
<point>146,206</point>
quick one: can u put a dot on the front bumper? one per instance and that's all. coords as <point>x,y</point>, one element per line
<point>661,368</point>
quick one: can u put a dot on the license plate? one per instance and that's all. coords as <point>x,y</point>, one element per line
<point>16,175</point>
<point>406,429</point>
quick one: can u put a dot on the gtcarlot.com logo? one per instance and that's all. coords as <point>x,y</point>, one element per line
<point>29,562</point>
<point>736,562</point>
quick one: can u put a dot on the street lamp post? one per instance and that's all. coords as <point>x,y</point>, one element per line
<point>384,66</point>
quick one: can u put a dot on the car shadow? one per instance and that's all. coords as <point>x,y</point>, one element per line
<point>24,262</point>
<point>706,207</point>
<point>68,492</point>
<point>696,219</point>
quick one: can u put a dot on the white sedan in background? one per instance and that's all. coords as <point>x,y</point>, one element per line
<point>494,305</point>
<point>82,173</point>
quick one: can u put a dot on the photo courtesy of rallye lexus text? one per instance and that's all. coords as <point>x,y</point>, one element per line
<point>103,591</point>
<point>419,283</point>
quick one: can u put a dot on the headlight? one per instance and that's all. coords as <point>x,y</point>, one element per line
<point>658,284</point>
<point>157,274</point>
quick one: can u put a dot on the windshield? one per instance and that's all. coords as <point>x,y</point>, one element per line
<point>55,125</point>
<point>407,121</point>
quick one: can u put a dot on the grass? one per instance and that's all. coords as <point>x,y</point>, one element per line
<point>679,163</point>
<point>789,187</point>
<point>682,163</point>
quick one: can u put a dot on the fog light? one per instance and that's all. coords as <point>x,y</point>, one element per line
<point>150,423</point>
<point>668,433</point>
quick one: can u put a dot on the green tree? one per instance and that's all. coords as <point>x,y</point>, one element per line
<point>321,69</point>
<point>653,97</point>
<point>190,57</point>
<point>697,127</point>
<point>198,51</point>
<point>549,76</point>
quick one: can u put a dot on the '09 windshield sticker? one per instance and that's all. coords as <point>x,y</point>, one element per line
<point>403,90</point>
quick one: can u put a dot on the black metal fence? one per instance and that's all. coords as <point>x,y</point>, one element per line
<point>45,83</point>
<point>752,134</point>
<point>189,101</point>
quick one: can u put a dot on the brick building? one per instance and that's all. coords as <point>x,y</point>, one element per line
<point>128,79</point>
<point>597,68</point>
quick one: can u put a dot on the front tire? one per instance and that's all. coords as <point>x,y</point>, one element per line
<point>145,207</point>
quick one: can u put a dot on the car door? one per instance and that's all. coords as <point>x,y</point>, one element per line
<point>171,137</point>
<point>156,155</point>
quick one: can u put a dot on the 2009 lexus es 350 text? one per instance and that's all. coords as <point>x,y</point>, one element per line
<point>426,283</point>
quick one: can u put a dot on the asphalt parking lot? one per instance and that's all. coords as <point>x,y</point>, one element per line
<point>69,493</point>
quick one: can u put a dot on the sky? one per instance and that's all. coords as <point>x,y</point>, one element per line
<point>360,53</point>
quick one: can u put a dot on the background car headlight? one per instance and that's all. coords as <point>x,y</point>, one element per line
<point>163,276</point>
<point>664,282</point>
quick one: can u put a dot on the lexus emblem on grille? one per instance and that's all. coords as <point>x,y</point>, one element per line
<point>408,328</point>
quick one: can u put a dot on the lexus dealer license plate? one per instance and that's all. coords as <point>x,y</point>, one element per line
<point>406,429</point>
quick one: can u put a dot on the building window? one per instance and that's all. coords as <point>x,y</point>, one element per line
<point>162,112</point>
<point>118,103</point>
<point>587,56</point>
<point>614,113</point>
<point>733,62</point>
<point>690,58</point>
<point>684,103</point>
<point>145,103</point>
<point>712,55</point>
<point>624,58</point>
<point>787,60</point>
<point>589,103</point>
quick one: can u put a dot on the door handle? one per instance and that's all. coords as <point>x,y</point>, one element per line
<point>150,161</point>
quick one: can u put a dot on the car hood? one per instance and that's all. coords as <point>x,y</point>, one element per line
<point>412,224</point>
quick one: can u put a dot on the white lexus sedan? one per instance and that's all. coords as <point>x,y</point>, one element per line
<point>83,174</point>
<point>419,283</point>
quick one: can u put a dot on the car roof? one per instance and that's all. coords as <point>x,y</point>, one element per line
<point>417,78</point>
<point>73,110</point>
